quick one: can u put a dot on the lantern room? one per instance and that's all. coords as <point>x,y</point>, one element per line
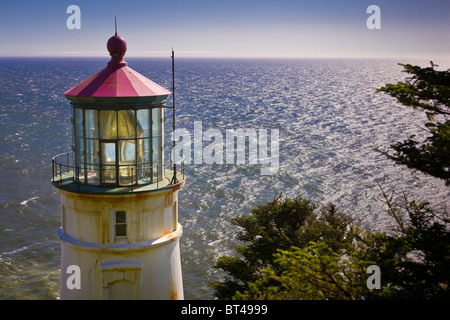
<point>118,127</point>
<point>117,146</point>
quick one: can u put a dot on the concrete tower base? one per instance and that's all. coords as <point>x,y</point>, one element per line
<point>120,246</point>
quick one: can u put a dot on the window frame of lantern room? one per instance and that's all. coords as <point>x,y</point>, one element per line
<point>89,124</point>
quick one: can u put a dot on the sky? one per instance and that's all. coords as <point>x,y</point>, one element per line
<point>231,28</point>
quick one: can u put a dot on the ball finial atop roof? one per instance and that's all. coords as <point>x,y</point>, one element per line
<point>117,46</point>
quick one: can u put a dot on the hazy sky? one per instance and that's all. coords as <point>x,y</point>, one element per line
<point>230,28</point>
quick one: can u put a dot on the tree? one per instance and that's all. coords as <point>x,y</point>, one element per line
<point>315,272</point>
<point>279,224</point>
<point>429,90</point>
<point>416,257</point>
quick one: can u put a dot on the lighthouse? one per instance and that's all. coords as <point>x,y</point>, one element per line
<point>119,194</point>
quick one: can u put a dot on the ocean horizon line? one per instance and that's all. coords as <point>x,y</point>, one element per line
<point>230,57</point>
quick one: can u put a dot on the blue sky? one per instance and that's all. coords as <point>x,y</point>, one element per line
<point>243,28</point>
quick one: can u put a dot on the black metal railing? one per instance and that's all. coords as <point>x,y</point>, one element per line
<point>124,175</point>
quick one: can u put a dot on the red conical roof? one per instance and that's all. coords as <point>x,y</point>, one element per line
<point>117,80</point>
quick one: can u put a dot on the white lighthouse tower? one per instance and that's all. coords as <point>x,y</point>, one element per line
<point>119,198</point>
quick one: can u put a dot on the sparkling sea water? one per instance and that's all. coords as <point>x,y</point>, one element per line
<point>329,120</point>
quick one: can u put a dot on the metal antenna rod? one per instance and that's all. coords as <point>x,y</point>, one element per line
<point>115,24</point>
<point>174,178</point>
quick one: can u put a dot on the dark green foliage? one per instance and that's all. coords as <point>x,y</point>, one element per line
<point>429,90</point>
<point>416,257</point>
<point>279,224</point>
<point>315,272</point>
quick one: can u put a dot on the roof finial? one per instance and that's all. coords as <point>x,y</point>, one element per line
<point>115,24</point>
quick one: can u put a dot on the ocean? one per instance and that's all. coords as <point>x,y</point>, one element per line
<point>326,111</point>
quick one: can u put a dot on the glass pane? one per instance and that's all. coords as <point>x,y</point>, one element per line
<point>156,122</point>
<point>121,217</point>
<point>93,175</point>
<point>140,151</point>
<point>127,152</point>
<point>145,153</point>
<point>78,124</point>
<point>144,160</point>
<point>92,151</point>
<point>79,172</point>
<point>156,172</point>
<point>108,174</point>
<point>143,116</point>
<point>127,124</point>
<point>121,230</point>
<point>127,175</point>
<point>108,124</point>
<point>157,153</point>
<point>109,153</point>
<point>91,123</point>
<point>157,158</point>
<point>145,173</point>
<point>79,151</point>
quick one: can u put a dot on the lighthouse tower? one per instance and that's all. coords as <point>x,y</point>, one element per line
<point>119,197</point>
